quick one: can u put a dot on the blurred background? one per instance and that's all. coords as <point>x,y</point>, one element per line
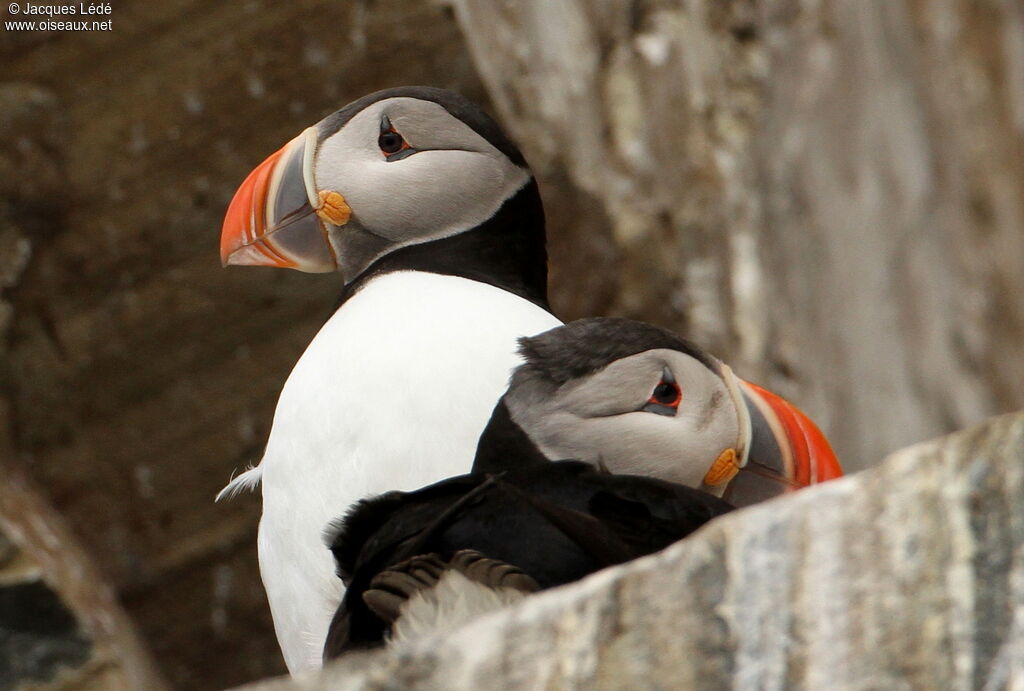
<point>827,194</point>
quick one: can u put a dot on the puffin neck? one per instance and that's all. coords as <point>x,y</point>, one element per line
<point>506,251</point>
<point>502,441</point>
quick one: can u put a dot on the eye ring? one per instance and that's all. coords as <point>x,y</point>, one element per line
<point>391,142</point>
<point>666,394</point>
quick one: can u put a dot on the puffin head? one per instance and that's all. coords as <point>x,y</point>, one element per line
<point>637,399</point>
<point>396,168</point>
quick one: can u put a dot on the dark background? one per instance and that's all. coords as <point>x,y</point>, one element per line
<point>829,195</point>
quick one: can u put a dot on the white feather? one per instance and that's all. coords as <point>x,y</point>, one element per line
<point>246,482</point>
<point>453,601</point>
<point>392,394</point>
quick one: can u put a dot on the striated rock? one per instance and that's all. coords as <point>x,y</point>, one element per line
<point>908,575</point>
<point>825,193</point>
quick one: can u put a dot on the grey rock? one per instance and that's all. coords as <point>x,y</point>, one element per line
<point>906,576</point>
<point>825,194</point>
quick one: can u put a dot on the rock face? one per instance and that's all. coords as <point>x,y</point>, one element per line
<point>827,194</point>
<point>908,575</point>
<point>60,624</point>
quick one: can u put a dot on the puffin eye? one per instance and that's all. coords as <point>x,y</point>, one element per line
<point>666,396</point>
<point>391,142</point>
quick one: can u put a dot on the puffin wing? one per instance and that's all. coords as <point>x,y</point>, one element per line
<point>616,518</point>
<point>377,533</point>
<point>522,530</point>
<point>648,517</point>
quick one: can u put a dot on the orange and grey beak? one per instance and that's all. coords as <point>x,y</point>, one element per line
<point>781,449</point>
<point>279,218</point>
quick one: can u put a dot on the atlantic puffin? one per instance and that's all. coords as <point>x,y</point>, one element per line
<point>433,219</point>
<point>542,508</point>
<point>421,562</point>
<point>632,397</point>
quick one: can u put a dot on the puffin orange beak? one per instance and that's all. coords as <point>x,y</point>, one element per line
<point>785,451</point>
<point>275,217</point>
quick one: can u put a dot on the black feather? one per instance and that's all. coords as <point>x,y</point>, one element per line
<point>556,522</point>
<point>501,440</point>
<point>585,346</point>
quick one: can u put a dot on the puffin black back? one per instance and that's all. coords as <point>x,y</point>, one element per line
<point>554,522</point>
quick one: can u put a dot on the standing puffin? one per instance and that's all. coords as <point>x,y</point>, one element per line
<point>433,219</point>
<point>610,394</point>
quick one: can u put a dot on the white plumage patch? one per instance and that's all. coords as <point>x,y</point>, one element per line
<point>453,601</point>
<point>392,394</point>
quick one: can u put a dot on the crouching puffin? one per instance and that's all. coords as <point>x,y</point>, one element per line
<point>434,221</point>
<point>613,395</point>
<point>634,398</point>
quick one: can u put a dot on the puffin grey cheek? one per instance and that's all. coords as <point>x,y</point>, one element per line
<point>558,434</point>
<point>429,195</point>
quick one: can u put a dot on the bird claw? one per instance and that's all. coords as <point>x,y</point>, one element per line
<point>390,589</point>
<point>491,572</point>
